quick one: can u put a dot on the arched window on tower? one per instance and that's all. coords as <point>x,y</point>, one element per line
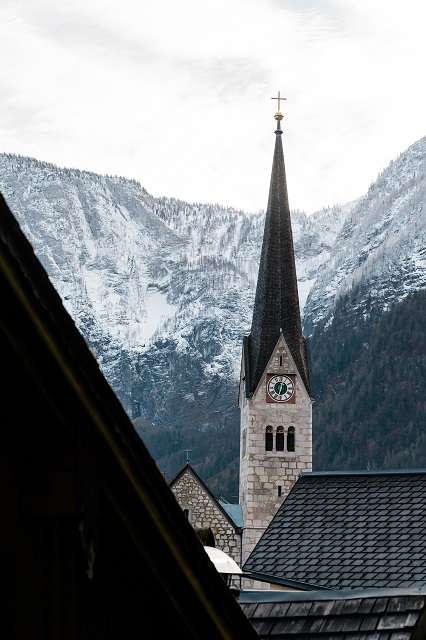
<point>291,439</point>
<point>279,439</point>
<point>269,438</point>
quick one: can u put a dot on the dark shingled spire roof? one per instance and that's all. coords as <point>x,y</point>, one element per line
<point>276,306</point>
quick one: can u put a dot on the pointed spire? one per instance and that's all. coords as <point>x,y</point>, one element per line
<point>276,307</point>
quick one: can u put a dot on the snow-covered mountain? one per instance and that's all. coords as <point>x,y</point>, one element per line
<point>134,271</point>
<point>163,289</point>
<point>380,251</point>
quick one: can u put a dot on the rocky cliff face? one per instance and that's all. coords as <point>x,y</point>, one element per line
<point>380,250</point>
<point>163,289</point>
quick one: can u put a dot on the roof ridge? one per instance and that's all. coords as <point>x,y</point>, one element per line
<point>364,472</point>
<point>335,594</point>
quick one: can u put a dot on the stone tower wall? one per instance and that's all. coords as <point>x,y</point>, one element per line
<point>261,471</point>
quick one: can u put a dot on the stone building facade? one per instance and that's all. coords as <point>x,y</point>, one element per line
<point>205,511</point>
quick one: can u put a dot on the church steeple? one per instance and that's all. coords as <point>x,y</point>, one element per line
<point>276,307</point>
<point>275,402</point>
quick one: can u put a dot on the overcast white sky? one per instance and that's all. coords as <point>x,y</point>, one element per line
<point>177,93</point>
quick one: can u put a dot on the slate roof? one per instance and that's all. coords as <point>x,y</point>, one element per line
<point>339,615</point>
<point>235,512</point>
<point>348,530</point>
<point>276,303</point>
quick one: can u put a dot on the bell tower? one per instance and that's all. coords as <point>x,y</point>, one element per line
<point>275,402</point>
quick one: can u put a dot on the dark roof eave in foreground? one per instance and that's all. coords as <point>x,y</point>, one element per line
<point>35,322</point>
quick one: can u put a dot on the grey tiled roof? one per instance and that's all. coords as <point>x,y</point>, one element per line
<point>234,511</point>
<point>276,304</point>
<point>357,615</point>
<point>348,530</point>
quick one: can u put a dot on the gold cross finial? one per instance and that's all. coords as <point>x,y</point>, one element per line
<point>279,99</point>
<point>278,116</point>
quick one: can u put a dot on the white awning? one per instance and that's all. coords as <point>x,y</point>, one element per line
<point>222,562</point>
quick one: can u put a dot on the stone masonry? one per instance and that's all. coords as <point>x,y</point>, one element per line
<point>204,512</point>
<point>266,477</point>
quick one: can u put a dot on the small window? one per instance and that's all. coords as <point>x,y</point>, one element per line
<point>279,439</point>
<point>281,361</point>
<point>291,439</point>
<point>186,514</point>
<point>244,443</point>
<point>269,439</point>
<point>206,536</point>
<point>280,490</point>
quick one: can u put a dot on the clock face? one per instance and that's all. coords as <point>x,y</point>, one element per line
<point>280,388</point>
